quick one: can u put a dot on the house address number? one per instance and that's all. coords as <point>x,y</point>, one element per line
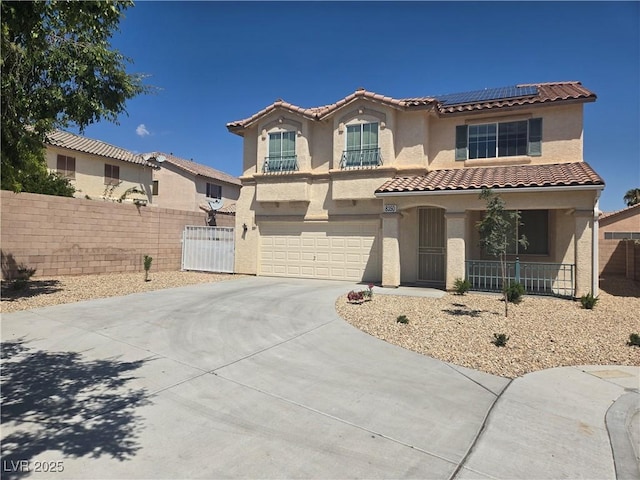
<point>390,208</point>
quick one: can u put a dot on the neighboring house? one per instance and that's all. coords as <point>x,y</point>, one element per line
<point>617,251</point>
<point>373,188</point>
<point>98,170</point>
<point>186,185</point>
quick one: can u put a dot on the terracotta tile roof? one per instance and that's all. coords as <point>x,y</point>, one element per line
<point>476,178</point>
<point>547,92</point>
<point>617,212</point>
<point>71,141</point>
<point>539,93</point>
<point>196,169</point>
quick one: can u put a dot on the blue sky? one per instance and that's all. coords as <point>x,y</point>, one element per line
<point>215,62</point>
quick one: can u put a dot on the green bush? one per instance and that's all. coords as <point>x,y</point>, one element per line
<point>499,339</point>
<point>461,286</point>
<point>147,267</point>
<point>634,340</point>
<point>402,319</point>
<point>515,291</point>
<point>588,301</point>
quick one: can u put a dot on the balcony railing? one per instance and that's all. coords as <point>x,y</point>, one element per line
<point>557,279</point>
<point>282,164</point>
<point>362,158</point>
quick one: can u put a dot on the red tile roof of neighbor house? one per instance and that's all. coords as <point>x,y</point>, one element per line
<point>195,168</point>
<point>71,141</point>
<point>632,208</point>
<point>539,93</point>
<point>476,178</point>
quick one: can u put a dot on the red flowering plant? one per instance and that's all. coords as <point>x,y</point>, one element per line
<point>362,295</point>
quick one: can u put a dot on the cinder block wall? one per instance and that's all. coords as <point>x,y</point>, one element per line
<point>73,236</point>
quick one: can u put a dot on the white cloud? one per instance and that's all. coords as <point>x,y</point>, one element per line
<point>142,131</point>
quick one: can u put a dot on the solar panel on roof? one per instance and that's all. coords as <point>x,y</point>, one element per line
<point>487,95</point>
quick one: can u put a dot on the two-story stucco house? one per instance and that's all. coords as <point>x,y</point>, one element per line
<point>373,188</point>
<point>186,185</point>
<point>97,169</point>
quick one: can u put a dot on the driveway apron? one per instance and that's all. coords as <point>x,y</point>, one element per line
<point>248,378</point>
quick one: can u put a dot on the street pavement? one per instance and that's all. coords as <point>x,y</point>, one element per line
<point>259,378</point>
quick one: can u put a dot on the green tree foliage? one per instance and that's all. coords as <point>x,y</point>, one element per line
<point>497,232</point>
<point>632,197</point>
<point>58,69</point>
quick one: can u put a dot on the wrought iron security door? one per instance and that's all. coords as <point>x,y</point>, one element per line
<point>431,246</point>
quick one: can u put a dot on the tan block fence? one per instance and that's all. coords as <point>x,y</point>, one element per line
<point>619,258</point>
<point>73,236</point>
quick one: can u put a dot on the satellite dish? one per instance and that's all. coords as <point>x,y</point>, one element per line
<point>146,157</point>
<point>160,158</point>
<point>215,204</point>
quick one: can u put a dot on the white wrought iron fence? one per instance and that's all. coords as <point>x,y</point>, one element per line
<point>208,249</point>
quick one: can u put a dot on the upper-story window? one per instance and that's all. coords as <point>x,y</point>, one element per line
<point>66,166</point>
<point>506,139</point>
<point>214,191</point>
<point>282,153</point>
<point>111,174</point>
<point>362,148</point>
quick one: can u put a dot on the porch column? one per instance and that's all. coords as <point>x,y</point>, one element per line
<point>390,249</point>
<point>583,251</point>
<point>456,247</point>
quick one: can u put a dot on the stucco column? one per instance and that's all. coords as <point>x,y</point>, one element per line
<point>456,246</point>
<point>390,249</point>
<point>583,251</point>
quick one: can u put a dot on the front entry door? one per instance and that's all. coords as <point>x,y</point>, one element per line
<point>431,246</point>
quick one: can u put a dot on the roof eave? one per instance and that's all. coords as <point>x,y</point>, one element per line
<point>501,189</point>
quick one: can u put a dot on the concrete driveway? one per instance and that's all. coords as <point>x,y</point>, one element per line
<point>250,378</point>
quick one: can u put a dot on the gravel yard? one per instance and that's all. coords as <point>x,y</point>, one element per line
<point>543,332</point>
<point>43,292</point>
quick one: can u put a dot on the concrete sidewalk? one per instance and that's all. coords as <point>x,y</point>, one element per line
<point>259,378</point>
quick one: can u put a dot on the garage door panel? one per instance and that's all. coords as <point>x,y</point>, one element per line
<point>340,251</point>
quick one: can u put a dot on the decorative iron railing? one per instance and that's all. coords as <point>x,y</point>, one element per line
<point>280,164</point>
<point>365,157</point>
<point>557,279</point>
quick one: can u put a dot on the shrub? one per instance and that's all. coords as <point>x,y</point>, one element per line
<point>147,267</point>
<point>634,340</point>
<point>461,286</point>
<point>588,301</point>
<point>402,319</point>
<point>23,275</point>
<point>355,297</point>
<point>499,339</point>
<point>514,292</point>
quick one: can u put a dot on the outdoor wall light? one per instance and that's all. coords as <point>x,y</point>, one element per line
<point>244,227</point>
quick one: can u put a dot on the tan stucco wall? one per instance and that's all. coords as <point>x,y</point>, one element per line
<point>184,191</point>
<point>410,143</point>
<point>626,221</point>
<point>561,137</point>
<point>89,178</point>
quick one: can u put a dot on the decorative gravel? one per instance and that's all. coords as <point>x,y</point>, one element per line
<point>543,332</point>
<point>44,292</point>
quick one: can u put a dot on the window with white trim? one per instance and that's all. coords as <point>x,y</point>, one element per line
<point>505,139</point>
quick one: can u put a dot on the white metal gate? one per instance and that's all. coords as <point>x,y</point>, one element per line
<point>208,249</point>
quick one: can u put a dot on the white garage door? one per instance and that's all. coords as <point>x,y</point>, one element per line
<point>336,251</point>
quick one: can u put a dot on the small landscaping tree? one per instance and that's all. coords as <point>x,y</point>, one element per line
<point>147,267</point>
<point>497,231</point>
